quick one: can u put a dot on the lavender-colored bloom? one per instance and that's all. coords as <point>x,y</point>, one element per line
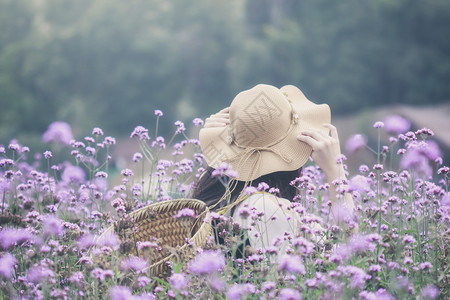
<point>7,263</point>
<point>143,281</point>
<point>158,113</point>
<point>59,132</point>
<point>120,293</point>
<point>48,154</point>
<point>10,237</point>
<point>290,294</point>
<point>98,274</point>
<point>52,226</point>
<point>178,281</point>
<point>396,124</point>
<point>97,131</point>
<point>198,122</point>
<point>185,213</point>
<point>216,283</point>
<point>250,190</point>
<point>236,292</point>
<point>268,286</point>
<point>360,183</point>
<point>137,157</point>
<point>414,159</point>
<point>133,263</point>
<point>429,292</point>
<point>73,174</point>
<point>207,262</point>
<point>140,132</point>
<point>90,150</point>
<point>425,266</point>
<point>358,276</point>
<point>291,264</point>
<point>180,126</point>
<point>40,274</point>
<point>305,247</point>
<point>408,239</point>
<point>378,124</point>
<point>355,142</point>
<point>108,240</point>
<point>127,172</point>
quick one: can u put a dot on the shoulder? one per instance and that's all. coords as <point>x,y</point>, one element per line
<point>264,199</point>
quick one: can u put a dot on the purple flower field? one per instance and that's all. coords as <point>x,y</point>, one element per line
<point>52,212</point>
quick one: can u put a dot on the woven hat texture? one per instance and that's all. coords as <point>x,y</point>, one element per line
<point>262,135</point>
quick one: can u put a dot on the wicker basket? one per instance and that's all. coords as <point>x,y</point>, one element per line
<point>157,222</point>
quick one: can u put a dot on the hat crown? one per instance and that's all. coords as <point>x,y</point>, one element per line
<point>259,116</point>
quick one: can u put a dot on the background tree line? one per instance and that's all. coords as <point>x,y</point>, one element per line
<point>111,63</point>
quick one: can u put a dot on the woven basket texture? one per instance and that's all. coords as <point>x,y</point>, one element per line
<point>156,222</point>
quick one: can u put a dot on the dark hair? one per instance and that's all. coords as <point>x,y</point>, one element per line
<point>211,189</point>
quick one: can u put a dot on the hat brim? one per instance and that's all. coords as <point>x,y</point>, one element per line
<point>216,149</point>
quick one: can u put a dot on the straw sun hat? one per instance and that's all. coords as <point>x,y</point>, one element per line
<point>262,135</point>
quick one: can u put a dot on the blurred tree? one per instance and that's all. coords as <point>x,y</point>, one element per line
<point>111,63</point>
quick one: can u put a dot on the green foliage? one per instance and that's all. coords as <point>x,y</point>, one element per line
<point>111,63</point>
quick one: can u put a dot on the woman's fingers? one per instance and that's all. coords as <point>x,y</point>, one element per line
<point>225,110</point>
<point>308,140</point>
<point>333,130</point>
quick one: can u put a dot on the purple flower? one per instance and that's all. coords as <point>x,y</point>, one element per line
<point>59,132</point>
<point>143,281</point>
<point>355,142</point>
<point>73,174</point>
<point>137,157</point>
<point>97,131</point>
<point>429,292</point>
<point>178,281</point>
<point>268,286</point>
<point>127,172</point>
<point>10,237</point>
<point>197,122</point>
<point>290,294</point>
<point>7,263</point>
<point>207,262</point>
<point>291,264</point>
<point>120,293</point>
<point>378,124</point>
<point>140,132</point>
<point>360,183</point>
<point>408,239</point>
<point>98,273</point>
<point>158,113</point>
<point>90,150</point>
<point>426,266</point>
<point>396,124</point>
<point>48,154</point>
<point>134,263</point>
<point>40,274</point>
<point>305,247</point>
<point>358,277</point>
<point>52,226</point>
<point>185,212</point>
<point>414,159</point>
<point>108,240</point>
<point>250,190</point>
<point>180,127</point>
<point>236,292</point>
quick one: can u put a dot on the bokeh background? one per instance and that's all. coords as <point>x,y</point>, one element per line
<point>110,64</point>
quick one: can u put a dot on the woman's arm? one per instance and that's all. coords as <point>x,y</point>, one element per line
<point>326,152</point>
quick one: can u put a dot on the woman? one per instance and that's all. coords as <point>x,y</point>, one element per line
<point>267,135</point>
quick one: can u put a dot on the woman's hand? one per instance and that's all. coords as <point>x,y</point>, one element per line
<point>220,119</point>
<point>326,150</point>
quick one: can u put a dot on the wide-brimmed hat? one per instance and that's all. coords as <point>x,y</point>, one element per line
<point>262,135</point>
